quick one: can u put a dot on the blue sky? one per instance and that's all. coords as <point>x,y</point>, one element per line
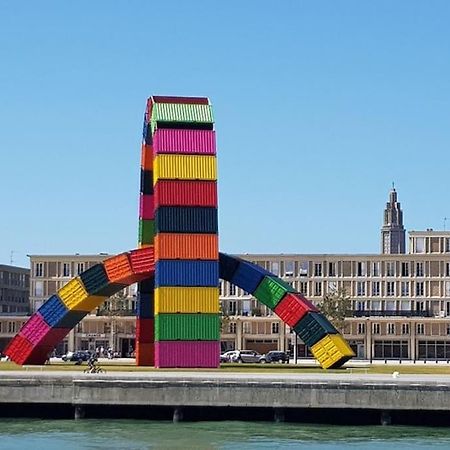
<point>319,106</point>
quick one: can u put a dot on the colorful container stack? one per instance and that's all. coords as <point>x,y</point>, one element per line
<point>326,344</point>
<point>187,321</point>
<point>62,311</point>
<point>145,351</point>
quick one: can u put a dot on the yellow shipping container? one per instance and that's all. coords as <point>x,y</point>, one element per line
<point>184,167</point>
<point>332,351</point>
<point>75,297</point>
<point>186,300</point>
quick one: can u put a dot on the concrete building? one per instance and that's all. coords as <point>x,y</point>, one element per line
<point>14,290</point>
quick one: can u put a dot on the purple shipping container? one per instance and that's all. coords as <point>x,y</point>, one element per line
<point>200,142</point>
<point>35,329</point>
<point>187,354</point>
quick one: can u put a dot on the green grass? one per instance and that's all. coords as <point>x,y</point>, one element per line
<point>430,369</point>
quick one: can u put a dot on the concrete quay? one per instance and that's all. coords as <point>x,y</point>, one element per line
<point>180,390</point>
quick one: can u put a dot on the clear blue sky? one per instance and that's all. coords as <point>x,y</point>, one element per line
<point>319,106</point>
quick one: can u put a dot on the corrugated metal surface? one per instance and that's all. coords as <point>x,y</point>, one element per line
<point>227,266</point>
<point>184,167</point>
<point>201,142</point>
<point>186,219</point>
<point>145,305</point>
<point>146,233</point>
<point>173,99</point>
<point>186,300</point>
<point>146,182</point>
<point>146,207</point>
<point>19,349</point>
<point>118,269</point>
<point>146,157</point>
<point>96,282</point>
<point>34,329</point>
<point>332,351</point>
<point>145,354</point>
<point>248,276</point>
<point>142,262</point>
<point>187,273</point>
<point>292,308</point>
<point>53,310</point>
<point>313,327</point>
<point>147,286</point>
<point>187,354</point>
<point>70,319</point>
<point>186,193</point>
<point>176,112</point>
<point>271,290</point>
<point>75,297</point>
<point>186,246</point>
<point>187,327</point>
<point>145,330</point>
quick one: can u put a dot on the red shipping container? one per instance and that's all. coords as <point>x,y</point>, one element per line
<point>19,349</point>
<point>145,330</point>
<point>142,263</point>
<point>185,193</point>
<point>145,354</point>
<point>293,307</point>
<point>187,354</point>
<point>190,142</point>
<point>146,207</point>
<point>172,99</point>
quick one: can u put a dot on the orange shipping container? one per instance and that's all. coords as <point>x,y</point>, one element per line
<point>186,246</point>
<point>146,157</point>
<point>118,269</point>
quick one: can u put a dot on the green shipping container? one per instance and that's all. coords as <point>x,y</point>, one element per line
<point>271,290</point>
<point>177,112</point>
<point>187,327</point>
<point>146,231</point>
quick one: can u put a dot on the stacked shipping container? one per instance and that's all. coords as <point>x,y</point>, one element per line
<point>186,239</point>
<point>62,311</point>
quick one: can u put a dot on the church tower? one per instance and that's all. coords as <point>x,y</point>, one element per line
<point>392,231</point>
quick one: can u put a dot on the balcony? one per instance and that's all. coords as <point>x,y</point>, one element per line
<point>386,313</point>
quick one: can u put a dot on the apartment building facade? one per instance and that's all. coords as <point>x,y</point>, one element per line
<point>14,290</point>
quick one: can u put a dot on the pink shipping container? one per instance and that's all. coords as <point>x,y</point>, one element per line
<point>187,354</point>
<point>146,207</point>
<point>201,142</point>
<point>35,329</point>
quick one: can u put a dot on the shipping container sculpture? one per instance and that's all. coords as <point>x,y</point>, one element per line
<point>177,265</point>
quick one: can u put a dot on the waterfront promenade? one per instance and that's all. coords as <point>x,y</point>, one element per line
<point>280,393</point>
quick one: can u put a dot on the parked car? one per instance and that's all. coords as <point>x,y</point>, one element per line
<point>245,356</point>
<point>227,356</point>
<point>78,356</point>
<point>274,356</point>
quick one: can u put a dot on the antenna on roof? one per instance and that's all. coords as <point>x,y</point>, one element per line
<point>11,255</point>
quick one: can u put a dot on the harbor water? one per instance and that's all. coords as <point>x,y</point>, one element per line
<point>35,434</point>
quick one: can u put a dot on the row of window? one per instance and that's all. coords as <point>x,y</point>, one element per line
<point>65,269</point>
<point>246,327</point>
<point>392,327</point>
<point>13,279</point>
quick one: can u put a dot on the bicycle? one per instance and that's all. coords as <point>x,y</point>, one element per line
<point>94,369</point>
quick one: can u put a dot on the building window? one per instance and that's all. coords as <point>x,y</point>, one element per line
<point>361,269</point>
<point>39,269</point>
<point>232,289</point>
<point>80,268</point>
<point>331,269</point>
<point>391,328</point>
<point>405,269</point>
<point>232,306</point>
<point>246,327</point>
<point>405,288</point>
<point>447,245</point>
<point>447,269</point>
<point>391,349</point>
<point>420,328</point>
<point>376,269</point>
<point>66,270</point>
<point>375,288</point>
<point>360,306</point>
<point>275,327</point>
<point>232,327</point>
<point>303,287</point>
<point>303,269</point>
<point>332,286</point>
<point>317,269</point>
<point>390,288</point>
<point>419,288</point>
<point>221,289</point>
<point>420,306</point>
<point>390,269</point>
<point>405,328</point>
<point>39,288</point>
<point>361,328</point>
<point>419,245</point>
<point>317,288</point>
<point>361,288</point>
<point>289,268</point>
<point>11,327</point>
<point>376,328</point>
<point>419,269</point>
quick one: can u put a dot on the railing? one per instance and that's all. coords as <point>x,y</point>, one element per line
<point>386,313</point>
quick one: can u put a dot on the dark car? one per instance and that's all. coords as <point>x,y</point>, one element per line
<point>78,356</point>
<point>274,356</point>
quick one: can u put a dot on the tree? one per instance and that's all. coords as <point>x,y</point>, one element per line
<point>336,306</point>
<point>116,305</point>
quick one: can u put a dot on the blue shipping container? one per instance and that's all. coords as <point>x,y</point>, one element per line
<point>248,276</point>
<point>227,266</point>
<point>145,306</point>
<point>187,273</point>
<point>56,315</point>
